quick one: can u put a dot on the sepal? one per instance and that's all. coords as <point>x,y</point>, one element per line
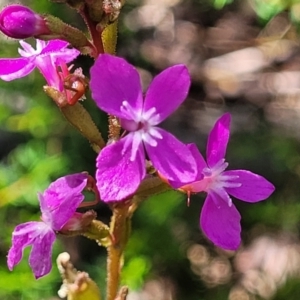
<point>78,223</point>
<point>100,232</point>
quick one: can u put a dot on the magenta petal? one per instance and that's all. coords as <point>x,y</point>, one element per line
<point>113,80</point>
<point>61,199</point>
<point>48,68</point>
<point>218,140</point>
<point>14,68</point>
<point>46,57</point>
<point>200,161</point>
<point>56,51</point>
<point>20,239</point>
<point>172,158</point>
<point>64,55</point>
<point>40,255</point>
<point>253,187</point>
<point>221,222</point>
<point>41,237</point>
<point>65,187</point>
<point>167,91</point>
<point>117,176</point>
<point>54,46</point>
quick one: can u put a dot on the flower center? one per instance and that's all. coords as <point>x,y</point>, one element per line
<point>141,124</point>
<point>217,182</point>
<point>216,170</point>
<point>141,119</point>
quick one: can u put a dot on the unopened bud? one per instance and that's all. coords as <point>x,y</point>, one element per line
<point>19,22</point>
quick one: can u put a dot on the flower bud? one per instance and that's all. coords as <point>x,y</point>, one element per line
<point>19,22</point>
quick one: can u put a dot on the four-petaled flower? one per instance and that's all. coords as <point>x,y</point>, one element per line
<point>220,220</point>
<point>58,204</point>
<point>47,57</point>
<point>116,89</point>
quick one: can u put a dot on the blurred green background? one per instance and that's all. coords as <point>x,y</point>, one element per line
<point>244,57</point>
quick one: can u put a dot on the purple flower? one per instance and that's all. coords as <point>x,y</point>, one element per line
<point>58,205</point>
<point>116,88</point>
<point>219,218</point>
<point>20,22</point>
<point>46,57</point>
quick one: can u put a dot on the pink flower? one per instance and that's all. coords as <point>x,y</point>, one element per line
<point>20,22</point>
<point>220,220</point>
<point>58,205</point>
<point>116,89</point>
<point>47,57</point>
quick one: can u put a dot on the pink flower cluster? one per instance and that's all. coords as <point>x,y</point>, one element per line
<point>121,165</point>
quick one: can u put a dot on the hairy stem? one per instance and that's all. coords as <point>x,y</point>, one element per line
<point>113,272</point>
<point>120,228</point>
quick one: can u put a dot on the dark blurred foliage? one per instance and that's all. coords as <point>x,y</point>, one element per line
<point>244,58</point>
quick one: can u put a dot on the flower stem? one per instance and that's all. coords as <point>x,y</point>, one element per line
<point>120,228</point>
<point>113,272</point>
<point>95,34</point>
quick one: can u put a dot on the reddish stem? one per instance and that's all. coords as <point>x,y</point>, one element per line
<point>95,34</point>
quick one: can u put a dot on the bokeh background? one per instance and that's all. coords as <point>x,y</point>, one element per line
<point>244,57</point>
